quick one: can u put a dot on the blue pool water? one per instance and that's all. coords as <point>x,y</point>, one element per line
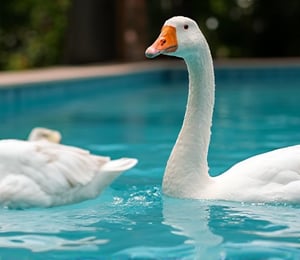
<point>139,115</point>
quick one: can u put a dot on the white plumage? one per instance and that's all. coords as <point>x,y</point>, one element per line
<point>41,133</point>
<point>269,177</point>
<point>42,173</point>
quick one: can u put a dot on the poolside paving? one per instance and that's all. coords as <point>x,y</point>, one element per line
<point>74,72</point>
<point>13,78</point>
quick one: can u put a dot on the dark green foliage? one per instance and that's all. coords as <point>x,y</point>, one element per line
<point>36,33</point>
<point>32,32</point>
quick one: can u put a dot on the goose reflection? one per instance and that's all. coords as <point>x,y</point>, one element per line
<point>190,218</point>
<point>157,227</point>
<point>219,229</point>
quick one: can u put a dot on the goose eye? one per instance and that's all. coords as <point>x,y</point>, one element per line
<point>186,27</point>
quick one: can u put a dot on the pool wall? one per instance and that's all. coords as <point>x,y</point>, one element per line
<point>17,96</point>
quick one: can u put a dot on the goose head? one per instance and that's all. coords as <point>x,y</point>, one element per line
<point>40,133</point>
<point>180,36</point>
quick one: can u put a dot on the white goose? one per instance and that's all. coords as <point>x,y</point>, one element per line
<point>41,172</point>
<point>268,177</point>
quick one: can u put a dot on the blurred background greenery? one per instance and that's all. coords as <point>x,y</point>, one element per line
<point>36,33</point>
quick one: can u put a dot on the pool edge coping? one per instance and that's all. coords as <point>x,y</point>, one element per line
<point>59,73</point>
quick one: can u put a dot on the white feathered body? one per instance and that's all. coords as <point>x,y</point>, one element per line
<point>45,174</point>
<point>269,177</point>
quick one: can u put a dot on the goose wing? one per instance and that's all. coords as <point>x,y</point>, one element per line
<point>53,167</point>
<point>271,176</point>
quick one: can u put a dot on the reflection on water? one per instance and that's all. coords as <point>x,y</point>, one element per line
<point>140,223</point>
<point>61,228</point>
<point>221,230</point>
<point>190,218</point>
<point>38,243</point>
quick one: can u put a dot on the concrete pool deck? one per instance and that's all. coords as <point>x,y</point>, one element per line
<point>18,78</point>
<point>75,72</point>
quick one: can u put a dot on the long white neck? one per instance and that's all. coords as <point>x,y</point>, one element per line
<point>186,173</point>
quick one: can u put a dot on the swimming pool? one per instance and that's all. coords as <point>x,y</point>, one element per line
<point>139,115</point>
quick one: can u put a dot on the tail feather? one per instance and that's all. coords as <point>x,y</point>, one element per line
<point>119,165</point>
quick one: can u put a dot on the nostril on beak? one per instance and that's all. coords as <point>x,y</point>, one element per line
<point>162,42</point>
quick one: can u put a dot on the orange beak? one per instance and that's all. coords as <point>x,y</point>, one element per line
<point>165,43</point>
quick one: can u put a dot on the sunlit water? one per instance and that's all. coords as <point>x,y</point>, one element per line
<point>133,219</point>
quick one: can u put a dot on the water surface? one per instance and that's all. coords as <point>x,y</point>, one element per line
<point>133,219</point>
